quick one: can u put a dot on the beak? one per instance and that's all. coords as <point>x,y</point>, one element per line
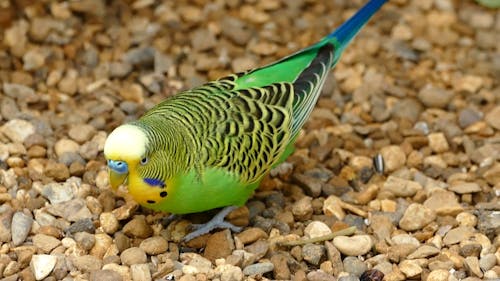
<point>116,179</point>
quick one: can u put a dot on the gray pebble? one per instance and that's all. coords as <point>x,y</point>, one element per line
<point>21,226</point>
<point>258,268</point>
<point>354,266</point>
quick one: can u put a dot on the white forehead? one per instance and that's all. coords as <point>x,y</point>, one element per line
<point>126,142</point>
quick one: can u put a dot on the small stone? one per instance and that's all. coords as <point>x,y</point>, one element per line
<point>251,235</point>
<point>21,226</point>
<point>133,255</point>
<point>106,275</point>
<point>219,245</point>
<point>313,253</point>
<point>382,226</point>
<point>133,92</point>
<point>464,187</point>
<point>353,246</point>
<point>470,249</point>
<point>319,275</point>
<point>472,266</point>
<point>493,118</point>
<point>401,187</point>
<point>302,208</point>
<point>466,219</point>
<point>58,193</point>
<point>438,275</point>
<point>138,227</point>
<point>85,240</point>
<point>242,64</point>
<point>281,269</point>
<point>81,132</point>
<point>33,59</point>
<point>102,244</point>
<point>258,268</point>
<point>354,266</point>
<point>424,251</point>
<point>72,210</point>
<point>432,96</point>
<point>154,245</point>
<point>438,142</point>
<point>333,207</point>
<point>317,229</point>
<point>312,186</point>
<point>86,263</point>
<point>45,243</point>
<point>410,268</point>
<point>84,224</point>
<point>140,272</point>
<point>259,249</point>
<point>63,146</point>
<point>42,265</point>
<point>372,275</point>
<point>416,217</point>
<point>487,262</point>
<point>109,222</point>
<point>17,130</point>
<point>229,272</point>
<point>394,157</point>
<point>202,40</point>
<point>458,234</point>
<point>402,239</point>
<point>443,203</point>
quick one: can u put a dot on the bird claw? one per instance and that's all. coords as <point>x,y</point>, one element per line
<point>216,222</point>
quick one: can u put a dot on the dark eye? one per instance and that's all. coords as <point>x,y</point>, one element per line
<point>144,161</point>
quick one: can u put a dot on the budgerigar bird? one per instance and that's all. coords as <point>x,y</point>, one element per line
<point>209,147</point>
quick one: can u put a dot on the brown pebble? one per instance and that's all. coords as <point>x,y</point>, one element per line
<point>138,227</point>
<point>251,235</point>
<point>219,245</point>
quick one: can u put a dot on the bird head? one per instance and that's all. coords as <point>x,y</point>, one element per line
<point>125,149</point>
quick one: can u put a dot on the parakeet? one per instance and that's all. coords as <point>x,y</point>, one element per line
<point>210,146</point>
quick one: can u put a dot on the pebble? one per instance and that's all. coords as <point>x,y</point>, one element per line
<point>154,245</point>
<point>443,203</point>
<point>466,219</point>
<point>45,243</point>
<point>438,275</point>
<point>85,240</point>
<point>17,130</point>
<point>302,209</point>
<point>333,207</point>
<point>316,229</point>
<point>458,234</point>
<point>432,96</point>
<point>140,272</point>
<point>42,265</point>
<point>493,118</point>
<point>416,217</point>
<point>354,266</point>
<point>138,227</point>
<point>464,187</point>
<point>259,249</point>
<point>313,253</point>
<point>106,275</point>
<point>21,227</point>
<point>281,269</point>
<point>109,222</point>
<point>63,146</point>
<point>319,275</point>
<point>401,187</point>
<point>251,235</point>
<point>81,133</point>
<point>424,251</point>
<point>258,268</point>
<point>487,262</point>
<point>57,193</point>
<point>472,266</point>
<point>132,256</point>
<point>410,268</point>
<point>219,245</point>
<point>394,157</point>
<point>86,263</point>
<point>353,246</point>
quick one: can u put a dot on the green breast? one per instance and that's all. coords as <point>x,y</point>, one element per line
<point>191,193</point>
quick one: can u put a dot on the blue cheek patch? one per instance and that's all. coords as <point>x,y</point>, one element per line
<point>154,182</point>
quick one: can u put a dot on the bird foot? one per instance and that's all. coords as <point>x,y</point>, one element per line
<point>168,220</point>
<point>216,222</point>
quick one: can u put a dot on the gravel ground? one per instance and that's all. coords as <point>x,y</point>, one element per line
<point>419,87</point>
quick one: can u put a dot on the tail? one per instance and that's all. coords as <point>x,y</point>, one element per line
<point>344,34</point>
<point>289,68</point>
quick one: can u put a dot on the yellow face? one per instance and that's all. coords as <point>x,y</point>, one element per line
<point>124,149</point>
